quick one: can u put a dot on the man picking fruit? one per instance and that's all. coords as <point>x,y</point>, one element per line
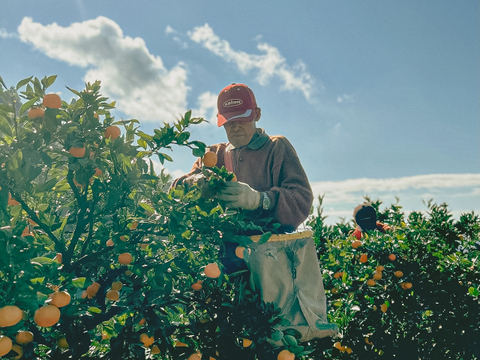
<point>271,183</point>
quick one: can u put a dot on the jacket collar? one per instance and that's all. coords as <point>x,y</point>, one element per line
<point>259,138</point>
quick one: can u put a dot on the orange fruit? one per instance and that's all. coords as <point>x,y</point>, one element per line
<point>143,321</point>
<point>110,242</point>
<point>392,257</point>
<point>398,274</point>
<point>124,238</point>
<point>209,159</point>
<point>195,357</point>
<point>285,355</point>
<point>146,340</point>
<point>62,343</point>
<point>239,251</point>
<point>12,201</point>
<point>155,350</point>
<point>197,286</point>
<point>134,225</point>
<point>112,295</point>
<point>348,350</point>
<point>367,340</point>
<point>78,152</point>
<point>377,275</point>
<point>125,258</point>
<point>18,349</point>
<point>212,271</point>
<point>24,337</point>
<point>180,344</point>
<point>5,345</point>
<point>60,299</point>
<point>98,172</point>
<point>363,258</point>
<point>338,275</point>
<point>35,112</point>
<point>92,290</point>
<point>10,315</point>
<point>47,316</point>
<point>234,178</point>
<point>112,132</point>
<point>384,308</point>
<point>59,258</point>
<point>246,342</point>
<point>380,268</point>
<point>117,285</point>
<point>356,244</point>
<point>52,101</point>
<point>371,282</point>
<point>406,285</point>
<point>334,291</point>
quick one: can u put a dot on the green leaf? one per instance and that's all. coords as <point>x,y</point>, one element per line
<point>79,282</point>
<point>94,309</point>
<point>2,82</point>
<point>7,108</point>
<point>16,160</point>
<point>264,238</point>
<point>198,152</point>
<point>49,81</point>
<point>43,260</point>
<point>24,82</point>
<point>28,104</point>
<point>46,186</point>
<point>5,126</point>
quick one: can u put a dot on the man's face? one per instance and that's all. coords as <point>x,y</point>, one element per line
<point>240,133</point>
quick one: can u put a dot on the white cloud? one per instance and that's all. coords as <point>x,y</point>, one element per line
<point>4,34</point>
<point>136,79</point>
<point>207,107</point>
<point>269,65</point>
<point>340,197</point>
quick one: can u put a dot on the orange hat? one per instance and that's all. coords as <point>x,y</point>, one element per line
<point>236,102</point>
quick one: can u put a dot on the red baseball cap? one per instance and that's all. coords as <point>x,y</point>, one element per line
<point>236,102</point>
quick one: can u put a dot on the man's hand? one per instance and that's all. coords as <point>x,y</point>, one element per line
<point>238,194</point>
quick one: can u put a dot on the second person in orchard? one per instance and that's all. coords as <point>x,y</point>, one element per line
<point>271,183</point>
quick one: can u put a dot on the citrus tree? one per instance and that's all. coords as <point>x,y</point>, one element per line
<point>410,293</point>
<point>98,257</point>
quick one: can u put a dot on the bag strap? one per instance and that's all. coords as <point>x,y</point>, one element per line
<point>227,159</point>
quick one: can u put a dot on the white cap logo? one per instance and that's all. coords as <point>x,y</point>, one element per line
<point>232,102</point>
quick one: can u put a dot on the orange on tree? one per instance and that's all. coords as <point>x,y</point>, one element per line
<point>5,345</point>
<point>285,355</point>
<point>406,285</point>
<point>98,172</point>
<point>92,290</point>
<point>212,271</point>
<point>392,257</point>
<point>134,225</point>
<point>180,344</point>
<point>10,315</point>
<point>112,295</point>
<point>239,251</point>
<point>125,258</point>
<point>379,268</point>
<point>209,159</point>
<point>117,285</point>
<point>348,350</point>
<point>246,342</point>
<point>110,242</point>
<point>142,321</point>
<point>377,275</point>
<point>356,244</point>
<point>78,152</point>
<point>338,275</point>
<point>112,132</point>
<point>60,299</point>
<point>52,101</point>
<point>363,258</point>
<point>234,178</point>
<point>195,357</point>
<point>146,340</point>
<point>24,337</point>
<point>384,308</point>
<point>124,238</point>
<point>371,282</point>
<point>58,257</point>
<point>197,286</point>
<point>155,350</point>
<point>18,349</point>
<point>47,316</point>
<point>398,274</point>
<point>35,112</point>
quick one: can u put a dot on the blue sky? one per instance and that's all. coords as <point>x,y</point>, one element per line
<point>379,98</point>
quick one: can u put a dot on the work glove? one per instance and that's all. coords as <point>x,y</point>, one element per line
<point>238,194</point>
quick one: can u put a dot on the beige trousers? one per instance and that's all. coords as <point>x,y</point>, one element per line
<point>286,272</point>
